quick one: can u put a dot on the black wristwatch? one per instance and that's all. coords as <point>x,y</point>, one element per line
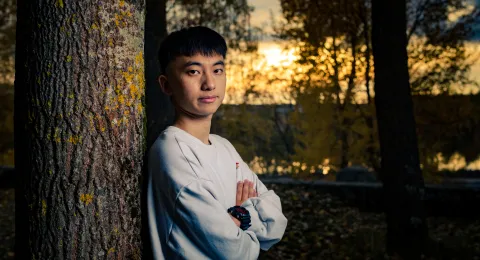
<point>242,215</point>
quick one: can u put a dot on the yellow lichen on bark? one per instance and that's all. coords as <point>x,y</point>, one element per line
<point>124,97</point>
<point>56,136</point>
<point>120,20</point>
<point>94,26</point>
<point>129,94</point>
<point>59,3</point>
<point>72,19</point>
<point>86,198</point>
<point>74,139</point>
<point>44,208</point>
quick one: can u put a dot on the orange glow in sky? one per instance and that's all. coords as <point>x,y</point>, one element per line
<point>275,55</point>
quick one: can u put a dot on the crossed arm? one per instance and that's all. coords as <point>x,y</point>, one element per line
<point>204,221</point>
<point>267,220</point>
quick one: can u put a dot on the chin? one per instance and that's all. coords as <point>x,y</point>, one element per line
<point>203,112</point>
<point>212,108</point>
<point>208,112</point>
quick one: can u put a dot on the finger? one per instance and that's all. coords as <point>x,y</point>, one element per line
<point>238,201</point>
<point>251,193</point>
<point>246,190</point>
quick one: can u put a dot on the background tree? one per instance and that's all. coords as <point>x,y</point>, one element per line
<point>79,123</point>
<point>7,50</point>
<point>446,129</point>
<point>400,167</point>
<point>436,35</point>
<point>439,64</point>
<point>335,56</point>
<point>7,39</point>
<point>229,18</point>
<point>333,46</point>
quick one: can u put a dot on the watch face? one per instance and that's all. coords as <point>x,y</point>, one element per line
<point>242,211</point>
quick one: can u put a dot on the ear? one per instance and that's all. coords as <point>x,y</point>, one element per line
<point>164,86</point>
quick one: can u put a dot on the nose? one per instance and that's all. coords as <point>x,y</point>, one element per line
<point>208,82</point>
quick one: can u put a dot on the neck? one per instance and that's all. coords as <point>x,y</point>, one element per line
<point>198,126</point>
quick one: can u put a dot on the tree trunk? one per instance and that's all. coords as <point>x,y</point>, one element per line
<point>345,123</point>
<point>400,169</point>
<point>160,112</point>
<point>79,129</point>
<point>372,154</point>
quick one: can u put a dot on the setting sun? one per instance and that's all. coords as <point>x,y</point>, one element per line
<point>275,55</point>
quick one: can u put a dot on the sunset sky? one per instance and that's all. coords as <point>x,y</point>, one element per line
<point>273,51</point>
<point>274,54</point>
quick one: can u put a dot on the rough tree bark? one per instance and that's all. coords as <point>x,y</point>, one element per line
<point>400,168</point>
<point>79,129</point>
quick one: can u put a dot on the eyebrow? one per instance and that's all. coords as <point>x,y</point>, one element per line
<point>196,63</point>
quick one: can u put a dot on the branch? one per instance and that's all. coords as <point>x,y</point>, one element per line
<point>418,12</point>
<point>352,76</point>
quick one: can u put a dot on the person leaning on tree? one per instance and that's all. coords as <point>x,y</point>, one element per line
<point>204,202</point>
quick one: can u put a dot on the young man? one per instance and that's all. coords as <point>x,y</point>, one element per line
<point>203,200</point>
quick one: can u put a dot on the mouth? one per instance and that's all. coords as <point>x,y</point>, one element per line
<point>208,99</point>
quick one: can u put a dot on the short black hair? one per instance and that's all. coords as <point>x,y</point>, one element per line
<point>189,42</point>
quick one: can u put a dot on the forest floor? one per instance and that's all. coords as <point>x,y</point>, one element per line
<point>321,227</point>
<point>7,223</point>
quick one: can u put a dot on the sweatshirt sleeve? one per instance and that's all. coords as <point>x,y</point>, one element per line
<point>267,219</point>
<point>208,227</point>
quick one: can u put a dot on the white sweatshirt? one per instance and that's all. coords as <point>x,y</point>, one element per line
<point>191,185</point>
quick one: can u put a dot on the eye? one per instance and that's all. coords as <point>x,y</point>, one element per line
<point>218,71</point>
<point>193,72</point>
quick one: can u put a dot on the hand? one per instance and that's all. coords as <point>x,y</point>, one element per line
<point>236,221</point>
<point>245,191</point>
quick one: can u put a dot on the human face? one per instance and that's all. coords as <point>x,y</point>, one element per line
<point>196,83</point>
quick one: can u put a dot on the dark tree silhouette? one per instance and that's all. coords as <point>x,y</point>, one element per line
<point>160,111</point>
<point>400,168</point>
<point>79,129</point>
<point>7,51</point>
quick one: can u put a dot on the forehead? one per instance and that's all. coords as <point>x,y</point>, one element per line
<point>198,59</point>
